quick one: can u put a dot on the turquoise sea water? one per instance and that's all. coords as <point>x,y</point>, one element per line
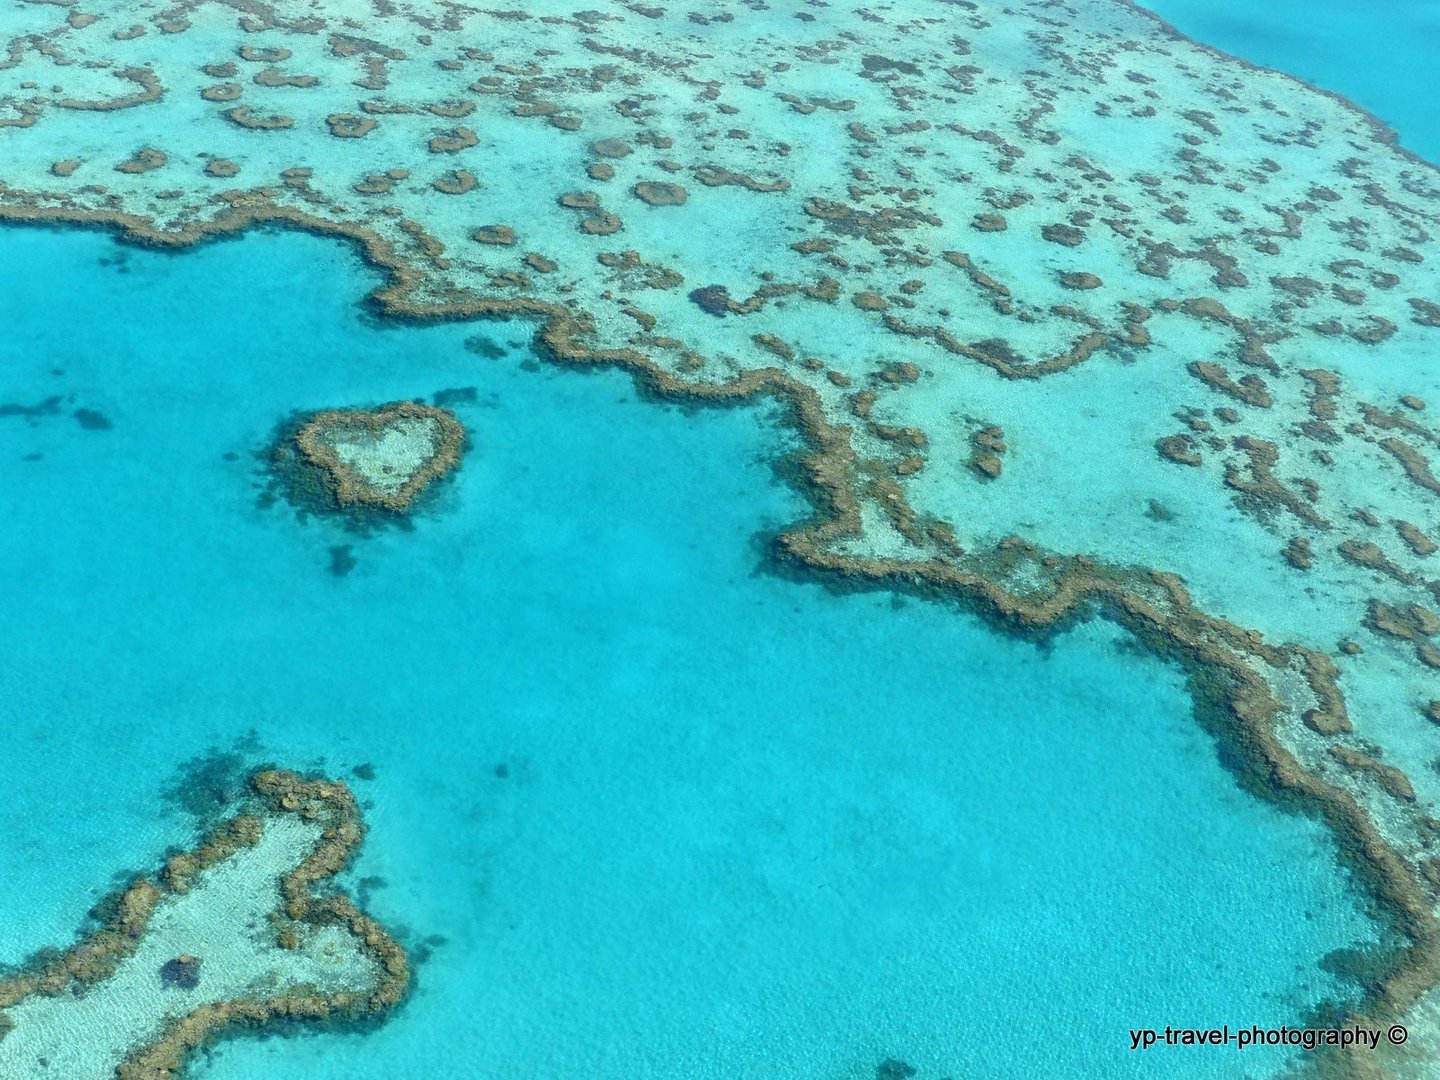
<point>1381,56</point>
<point>639,808</point>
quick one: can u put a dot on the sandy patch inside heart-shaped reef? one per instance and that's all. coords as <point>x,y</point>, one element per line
<point>382,457</point>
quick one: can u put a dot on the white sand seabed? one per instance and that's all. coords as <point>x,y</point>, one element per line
<point>388,459</point>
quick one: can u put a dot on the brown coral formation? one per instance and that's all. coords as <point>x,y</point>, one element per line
<point>502,235</point>
<point>1080,281</point>
<point>245,117</point>
<point>453,141</point>
<point>225,91</point>
<point>143,160</point>
<point>1065,235</point>
<point>382,457</point>
<point>720,176</point>
<point>259,55</point>
<point>1408,622</point>
<point>987,449</point>
<point>1416,467</point>
<point>611,148</point>
<point>1329,716</point>
<point>97,957</point>
<point>1298,554</point>
<point>660,193</point>
<point>1262,487</point>
<point>1413,623</point>
<point>456,182</point>
<point>603,223</point>
<point>1416,539</point>
<point>1179,449</point>
<point>1372,557</point>
<point>273,77</point>
<point>1250,388</point>
<point>349,126</point>
<point>150,90</point>
<point>1390,778</point>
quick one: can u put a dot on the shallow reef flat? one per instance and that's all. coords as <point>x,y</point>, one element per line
<point>228,936</point>
<point>1077,316</point>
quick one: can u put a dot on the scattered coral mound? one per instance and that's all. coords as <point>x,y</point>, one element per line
<point>382,457</point>
<point>230,936</point>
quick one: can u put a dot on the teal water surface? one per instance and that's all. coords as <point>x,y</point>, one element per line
<point>639,808</point>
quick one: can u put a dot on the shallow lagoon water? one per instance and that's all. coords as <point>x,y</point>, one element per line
<point>641,808</point>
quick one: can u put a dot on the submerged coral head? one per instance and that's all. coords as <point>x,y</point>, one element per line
<point>182,971</point>
<point>382,457</point>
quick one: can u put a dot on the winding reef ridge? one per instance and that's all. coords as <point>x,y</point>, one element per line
<point>1025,276</point>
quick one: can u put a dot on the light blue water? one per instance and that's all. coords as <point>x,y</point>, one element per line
<point>749,829</point>
<point>1381,56</point>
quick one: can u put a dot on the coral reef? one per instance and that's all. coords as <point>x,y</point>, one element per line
<point>381,457</point>
<point>81,974</point>
<point>1142,209</point>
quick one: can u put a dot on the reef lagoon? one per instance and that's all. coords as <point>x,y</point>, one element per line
<point>643,808</point>
<point>766,543</point>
